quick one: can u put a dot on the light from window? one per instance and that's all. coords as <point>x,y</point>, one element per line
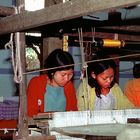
<point>33,5</point>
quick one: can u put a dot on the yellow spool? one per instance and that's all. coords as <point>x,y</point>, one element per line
<point>111,43</point>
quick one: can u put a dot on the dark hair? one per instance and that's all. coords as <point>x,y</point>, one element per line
<point>97,68</point>
<point>136,71</point>
<point>58,58</point>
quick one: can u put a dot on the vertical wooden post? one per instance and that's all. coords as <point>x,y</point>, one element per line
<point>22,120</point>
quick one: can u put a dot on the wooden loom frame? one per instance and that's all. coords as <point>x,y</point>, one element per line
<point>63,11</point>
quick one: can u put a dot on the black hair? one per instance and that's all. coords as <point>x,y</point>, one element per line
<point>136,70</point>
<point>60,59</point>
<point>97,68</point>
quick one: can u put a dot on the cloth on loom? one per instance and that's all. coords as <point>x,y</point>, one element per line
<point>63,137</point>
<point>131,132</point>
<point>9,110</point>
<point>100,129</point>
<point>79,119</point>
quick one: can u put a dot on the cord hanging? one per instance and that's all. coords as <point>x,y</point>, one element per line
<point>16,61</point>
<point>84,67</point>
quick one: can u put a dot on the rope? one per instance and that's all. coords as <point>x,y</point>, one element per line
<point>84,70</point>
<point>81,47</point>
<point>10,45</point>
<point>16,61</point>
<point>18,73</point>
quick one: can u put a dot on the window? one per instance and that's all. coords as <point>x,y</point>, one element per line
<point>32,5</point>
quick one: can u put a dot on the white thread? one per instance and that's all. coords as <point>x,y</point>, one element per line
<point>80,118</point>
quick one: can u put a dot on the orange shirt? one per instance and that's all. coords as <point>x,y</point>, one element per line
<point>36,90</point>
<point>132,91</point>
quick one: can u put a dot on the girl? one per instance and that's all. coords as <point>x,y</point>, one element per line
<point>132,87</point>
<point>101,92</point>
<point>54,90</point>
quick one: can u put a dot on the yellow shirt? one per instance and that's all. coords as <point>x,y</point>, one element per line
<point>86,97</point>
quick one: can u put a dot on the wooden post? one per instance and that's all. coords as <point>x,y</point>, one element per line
<point>22,120</point>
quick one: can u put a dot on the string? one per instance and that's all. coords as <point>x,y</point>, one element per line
<point>84,72</point>
<point>105,59</point>
<point>83,63</point>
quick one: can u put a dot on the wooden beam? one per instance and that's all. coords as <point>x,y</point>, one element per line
<point>59,12</point>
<point>129,28</point>
<point>129,37</point>
<point>41,138</point>
<point>6,11</point>
<point>108,35</point>
<point>36,137</point>
<point>52,2</point>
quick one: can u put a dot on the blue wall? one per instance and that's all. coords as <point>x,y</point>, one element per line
<point>7,3</point>
<point>75,52</point>
<point>125,72</point>
<point>7,85</point>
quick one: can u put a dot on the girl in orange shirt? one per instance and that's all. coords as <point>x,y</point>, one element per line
<point>132,87</point>
<point>54,90</point>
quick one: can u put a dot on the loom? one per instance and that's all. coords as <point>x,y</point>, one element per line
<point>95,124</point>
<point>78,124</point>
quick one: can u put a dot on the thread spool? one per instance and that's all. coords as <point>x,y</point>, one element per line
<point>111,43</point>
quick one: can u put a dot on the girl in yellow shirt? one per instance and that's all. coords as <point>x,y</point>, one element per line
<point>100,92</point>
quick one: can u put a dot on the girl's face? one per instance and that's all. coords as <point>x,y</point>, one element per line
<point>61,78</point>
<point>105,78</point>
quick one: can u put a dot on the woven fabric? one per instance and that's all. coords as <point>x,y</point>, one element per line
<point>9,110</point>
